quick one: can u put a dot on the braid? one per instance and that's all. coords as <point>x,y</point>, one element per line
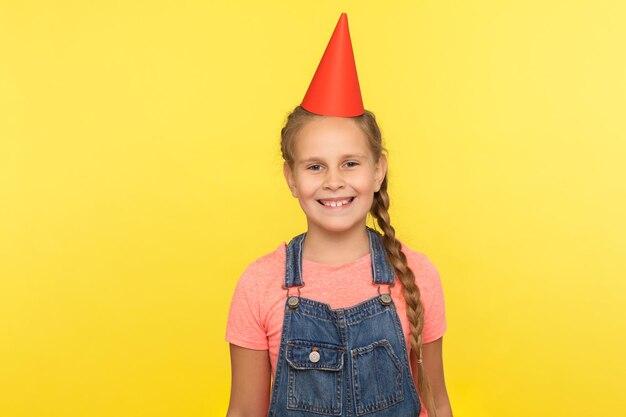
<point>411,292</point>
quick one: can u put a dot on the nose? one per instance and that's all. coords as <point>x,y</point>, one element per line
<point>333,180</point>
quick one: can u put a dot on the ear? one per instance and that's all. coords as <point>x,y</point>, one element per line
<point>380,171</point>
<point>289,177</point>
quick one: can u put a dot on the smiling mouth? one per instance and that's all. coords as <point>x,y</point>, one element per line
<point>337,204</point>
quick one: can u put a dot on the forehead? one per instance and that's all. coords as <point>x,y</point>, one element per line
<point>330,136</point>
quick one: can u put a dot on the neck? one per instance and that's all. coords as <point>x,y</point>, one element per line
<point>335,248</point>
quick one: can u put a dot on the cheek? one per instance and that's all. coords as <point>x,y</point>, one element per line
<point>309,188</point>
<point>366,185</point>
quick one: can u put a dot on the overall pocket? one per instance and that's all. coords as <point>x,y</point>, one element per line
<point>314,377</point>
<point>377,377</point>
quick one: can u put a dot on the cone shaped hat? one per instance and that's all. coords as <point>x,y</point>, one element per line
<point>334,90</point>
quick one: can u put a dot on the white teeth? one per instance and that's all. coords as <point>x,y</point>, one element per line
<point>336,203</point>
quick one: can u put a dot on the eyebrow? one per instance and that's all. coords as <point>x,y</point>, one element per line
<point>348,156</point>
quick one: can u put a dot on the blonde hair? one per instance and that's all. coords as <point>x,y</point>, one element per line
<point>296,120</point>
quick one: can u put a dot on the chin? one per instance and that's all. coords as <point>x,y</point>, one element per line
<point>340,226</point>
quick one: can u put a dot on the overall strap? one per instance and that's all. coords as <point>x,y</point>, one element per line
<point>293,262</point>
<point>382,270</point>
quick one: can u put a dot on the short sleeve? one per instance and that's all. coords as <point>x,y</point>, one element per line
<point>244,326</point>
<point>434,309</point>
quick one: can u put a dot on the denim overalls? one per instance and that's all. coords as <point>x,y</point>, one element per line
<point>343,362</point>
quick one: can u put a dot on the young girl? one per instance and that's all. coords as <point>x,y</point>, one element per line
<point>322,316</point>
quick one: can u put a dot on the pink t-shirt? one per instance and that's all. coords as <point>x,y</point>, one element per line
<point>255,319</point>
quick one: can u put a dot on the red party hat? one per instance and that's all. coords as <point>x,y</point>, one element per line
<point>334,90</point>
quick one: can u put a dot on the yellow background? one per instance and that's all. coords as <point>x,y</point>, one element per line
<point>140,173</point>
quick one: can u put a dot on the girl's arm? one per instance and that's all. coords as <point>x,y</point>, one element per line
<point>250,387</point>
<point>433,366</point>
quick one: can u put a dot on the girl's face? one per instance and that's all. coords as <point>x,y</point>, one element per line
<point>333,165</point>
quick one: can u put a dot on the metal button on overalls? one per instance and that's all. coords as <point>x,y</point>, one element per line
<point>314,356</point>
<point>385,299</point>
<point>348,361</point>
<point>292,301</point>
